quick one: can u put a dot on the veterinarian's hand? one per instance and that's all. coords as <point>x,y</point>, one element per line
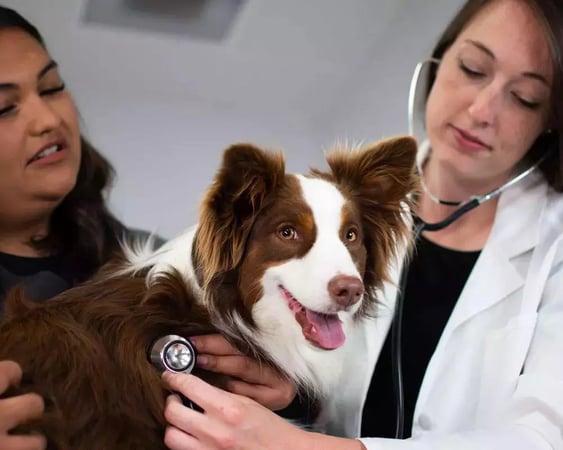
<point>233,422</point>
<point>246,376</point>
<point>15,411</point>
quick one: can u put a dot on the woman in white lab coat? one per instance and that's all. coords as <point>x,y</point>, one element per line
<point>483,311</point>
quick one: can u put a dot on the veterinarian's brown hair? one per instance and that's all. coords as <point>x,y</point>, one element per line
<point>550,15</point>
<point>82,229</point>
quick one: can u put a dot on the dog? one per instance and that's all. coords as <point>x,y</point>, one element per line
<point>285,266</point>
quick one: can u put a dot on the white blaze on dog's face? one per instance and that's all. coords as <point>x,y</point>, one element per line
<point>306,252</point>
<point>290,262</point>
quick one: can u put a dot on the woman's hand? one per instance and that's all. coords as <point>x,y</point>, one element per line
<point>230,421</point>
<point>247,377</point>
<point>233,422</point>
<point>15,411</point>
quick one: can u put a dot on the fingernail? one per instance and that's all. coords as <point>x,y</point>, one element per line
<point>202,360</point>
<point>193,340</point>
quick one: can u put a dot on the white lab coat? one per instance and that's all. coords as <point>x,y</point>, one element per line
<point>495,380</point>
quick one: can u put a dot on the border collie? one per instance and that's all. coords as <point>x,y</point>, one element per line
<point>283,265</point>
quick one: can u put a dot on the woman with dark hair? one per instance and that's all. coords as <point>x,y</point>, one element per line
<point>482,319</point>
<point>55,227</point>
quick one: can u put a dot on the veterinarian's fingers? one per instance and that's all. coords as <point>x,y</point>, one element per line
<point>176,439</point>
<point>213,344</point>
<point>272,398</point>
<point>197,390</point>
<point>189,429</point>
<point>235,365</point>
<point>23,443</point>
<point>10,374</point>
<point>20,409</point>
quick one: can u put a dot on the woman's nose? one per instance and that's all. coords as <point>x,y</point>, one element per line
<point>484,107</point>
<point>43,118</point>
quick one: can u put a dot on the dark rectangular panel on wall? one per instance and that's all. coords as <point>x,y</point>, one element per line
<point>195,19</point>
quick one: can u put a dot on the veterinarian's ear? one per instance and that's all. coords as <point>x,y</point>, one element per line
<point>234,199</point>
<point>383,172</point>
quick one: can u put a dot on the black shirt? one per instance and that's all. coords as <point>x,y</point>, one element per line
<point>43,277</point>
<point>46,277</point>
<point>434,283</point>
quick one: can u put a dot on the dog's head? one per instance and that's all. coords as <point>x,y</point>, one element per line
<point>302,253</point>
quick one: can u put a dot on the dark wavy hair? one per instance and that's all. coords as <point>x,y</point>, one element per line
<point>82,229</point>
<point>550,15</point>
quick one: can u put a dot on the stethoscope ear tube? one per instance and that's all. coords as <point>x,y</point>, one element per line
<point>437,226</point>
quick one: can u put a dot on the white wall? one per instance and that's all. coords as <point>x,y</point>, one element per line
<point>374,104</point>
<point>166,151</point>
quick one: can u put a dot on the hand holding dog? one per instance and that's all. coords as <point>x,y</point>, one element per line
<point>15,411</point>
<point>247,376</point>
<point>233,422</point>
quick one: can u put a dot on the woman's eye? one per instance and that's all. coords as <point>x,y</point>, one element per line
<point>7,110</point>
<point>351,235</point>
<point>53,91</point>
<point>472,73</point>
<point>527,103</point>
<point>288,233</point>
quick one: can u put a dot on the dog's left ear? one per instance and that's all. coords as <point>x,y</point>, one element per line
<point>379,178</point>
<point>237,195</point>
<point>383,173</point>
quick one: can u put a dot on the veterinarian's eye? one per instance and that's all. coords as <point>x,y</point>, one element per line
<point>351,235</point>
<point>288,233</point>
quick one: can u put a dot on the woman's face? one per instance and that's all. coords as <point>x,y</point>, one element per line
<point>39,131</point>
<point>491,97</point>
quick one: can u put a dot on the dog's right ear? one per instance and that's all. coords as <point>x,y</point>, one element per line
<point>231,205</point>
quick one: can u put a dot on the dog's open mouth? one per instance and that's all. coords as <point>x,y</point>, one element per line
<point>322,330</point>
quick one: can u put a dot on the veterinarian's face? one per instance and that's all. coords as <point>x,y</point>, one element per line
<point>491,97</point>
<point>39,132</point>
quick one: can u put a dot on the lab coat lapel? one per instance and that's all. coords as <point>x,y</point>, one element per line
<point>495,276</point>
<point>515,231</point>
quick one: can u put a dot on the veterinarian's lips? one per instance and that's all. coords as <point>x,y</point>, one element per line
<point>322,330</point>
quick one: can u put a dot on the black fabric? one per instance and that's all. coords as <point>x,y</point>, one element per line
<point>42,277</point>
<point>46,277</point>
<point>435,280</point>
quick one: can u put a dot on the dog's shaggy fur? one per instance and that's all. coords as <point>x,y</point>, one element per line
<point>283,265</point>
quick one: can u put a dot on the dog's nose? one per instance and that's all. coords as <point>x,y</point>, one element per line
<point>345,290</point>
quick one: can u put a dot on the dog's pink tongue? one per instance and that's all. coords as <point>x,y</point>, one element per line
<point>323,330</point>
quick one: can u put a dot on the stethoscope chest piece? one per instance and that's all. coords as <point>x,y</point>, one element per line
<point>173,353</point>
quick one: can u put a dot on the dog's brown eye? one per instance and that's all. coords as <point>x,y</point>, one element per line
<point>351,235</point>
<point>288,233</point>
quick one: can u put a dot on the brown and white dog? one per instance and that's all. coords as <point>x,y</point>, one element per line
<point>283,265</point>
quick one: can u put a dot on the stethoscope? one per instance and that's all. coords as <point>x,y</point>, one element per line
<point>175,354</point>
<point>463,208</point>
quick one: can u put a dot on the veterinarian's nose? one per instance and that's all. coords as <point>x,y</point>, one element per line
<point>345,290</point>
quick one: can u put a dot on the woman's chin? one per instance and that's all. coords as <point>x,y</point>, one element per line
<point>56,190</point>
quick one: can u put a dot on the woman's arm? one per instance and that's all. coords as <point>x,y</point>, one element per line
<point>233,422</point>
